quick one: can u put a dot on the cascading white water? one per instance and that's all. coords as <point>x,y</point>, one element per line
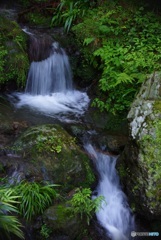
<point>49,87</point>
<point>50,75</point>
<point>114,215</point>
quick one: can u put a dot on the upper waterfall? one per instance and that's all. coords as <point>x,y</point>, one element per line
<point>49,87</point>
<point>50,75</point>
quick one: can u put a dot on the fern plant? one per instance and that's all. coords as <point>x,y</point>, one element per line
<point>83,205</point>
<point>126,43</point>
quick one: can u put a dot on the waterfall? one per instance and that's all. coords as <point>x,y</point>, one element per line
<point>50,75</point>
<point>49,88</point>
<point>114,215</point>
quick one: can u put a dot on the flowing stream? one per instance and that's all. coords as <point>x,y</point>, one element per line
<point>50,91</point>
<point>115,215</point>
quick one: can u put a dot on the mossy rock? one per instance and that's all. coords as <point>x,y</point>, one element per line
<point>57,218</point>
<point>139,164</point>
<point>53,151</point>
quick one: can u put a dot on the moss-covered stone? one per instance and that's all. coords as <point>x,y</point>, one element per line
<point>52,150</point>
<point>57,218</point>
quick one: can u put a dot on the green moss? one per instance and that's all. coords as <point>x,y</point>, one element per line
<point>62,214</point>
<point>57,217</point>
<point>53,148</point>
<point>89,174</point>
<point>151,162</point>
<point>157,105</point>
<point>39,140</point>
<point>122,171</point>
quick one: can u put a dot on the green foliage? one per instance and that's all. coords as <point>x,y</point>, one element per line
<point>125,44</point>
<point>68,11</point>
<point>8,222</point>
<point>35,198</point>
<point>13,53</point>
<point>48,143</point>
<point>83,205</point>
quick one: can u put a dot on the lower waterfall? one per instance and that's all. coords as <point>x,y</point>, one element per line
<point>114,215</point>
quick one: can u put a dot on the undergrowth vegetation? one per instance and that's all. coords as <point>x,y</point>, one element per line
<point>34,198</point>
<point>121,40</point>
<point>30,199</point>
<point>26,199</point>
<point>13,53</point>
<point>127,47</point>
<point>68,11</point>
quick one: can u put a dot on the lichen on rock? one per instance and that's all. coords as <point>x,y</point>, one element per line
<point>142,108</point>
<point>141,157</point>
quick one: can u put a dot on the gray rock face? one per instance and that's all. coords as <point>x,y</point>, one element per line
<point>140,163</point>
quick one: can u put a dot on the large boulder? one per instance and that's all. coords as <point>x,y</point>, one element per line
<point>140,163</point>
<point>48,152</point>
<point>59,220</point>
<point>71,227</point>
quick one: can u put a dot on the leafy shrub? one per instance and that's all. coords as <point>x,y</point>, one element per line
<point>124,44</point>
<point>83,205</point>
